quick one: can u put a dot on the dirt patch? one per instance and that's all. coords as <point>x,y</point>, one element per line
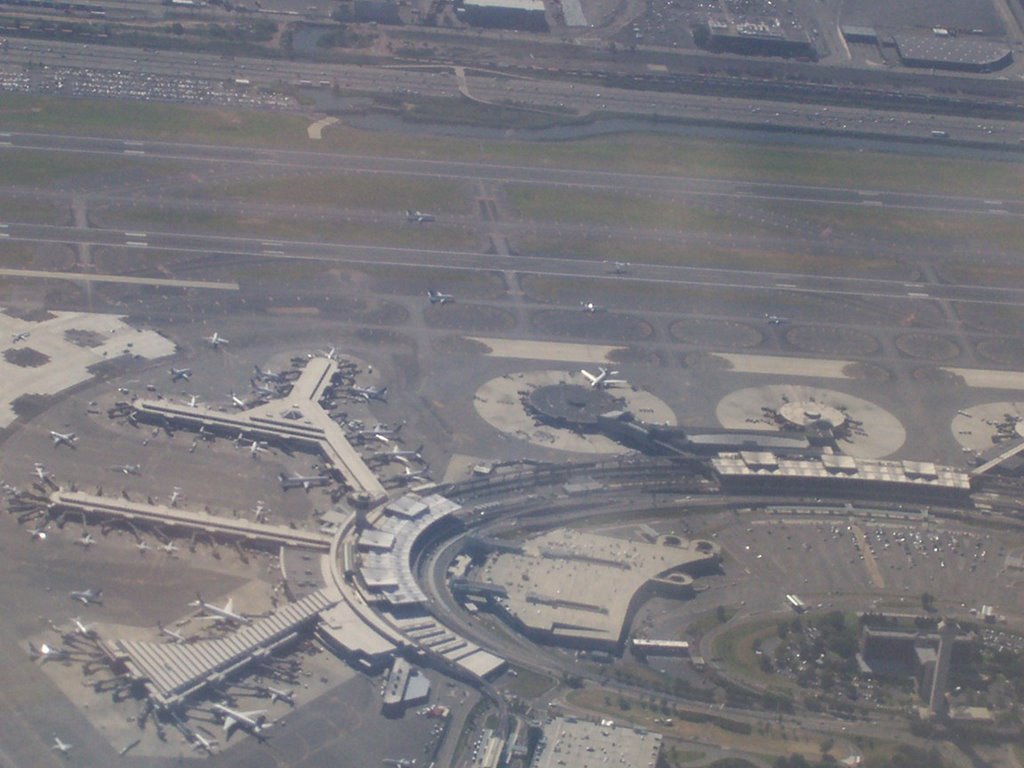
<point>705,361</point>
<point>934,375</point>
<point>867,372</point>
<point>381,336</point>
<point>591,325</point>
<point>460,345</point>
<point>715,333</point>
<point>1003,351</point>
<point>638,355</point>
<point>833,341</point>
<point>469,317</point>
<point>31,315</point>
<point>26,357</point>
<point>927,346</point>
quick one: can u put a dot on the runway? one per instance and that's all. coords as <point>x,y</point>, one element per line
<point>453,260</point>
<point>505,174</point>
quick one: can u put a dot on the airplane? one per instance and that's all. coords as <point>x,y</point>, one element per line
<point>254,721</point>
<point>127,469</point>
<point>401,762</point>
<point>60,746</point>
<point>268,375</point>
<point>20,336</point>
<point>203,743</point>
<point>170,547</point>
<point>177,374</point>
<point>83,629</point>
<point>600,379</point>
<point>46,653</point>
<point>303,481</point>
<point>370,393</point>
<point>39,532</point>
<point>86,596</point>
<point>227,613</point>
<point>776,319</point>
<point>418,216</point>
<point>261,512</point>
<point>402,456</point>
<point>257,447</point>
<point>238,402</point>
<point>63,439</point>
<point>381,432</point>
<point>193,401</point>
<point>86,541</point>
<point>589,306</point>
<point>262,390</point>
<point>216,340</point>
<point>436,297</point>
<point>276,694</point>
<point>175,495</point>
<point>621,267</point>
<point>177,637</point>
<point>142,546</point>
<point>41,472</point>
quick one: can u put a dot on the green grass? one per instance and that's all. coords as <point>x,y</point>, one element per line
<point>735,647</point>
<point>379,192</point>
<point>23,167</point>
<point>398,234</point>
<point>630,153</point>
<point>529,684</point>
<point>614,208</point>
<point>16,255</point>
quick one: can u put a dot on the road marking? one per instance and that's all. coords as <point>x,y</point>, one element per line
<point>136,244</point>
<point>137,235</point>
<point>918,295</point>
<point>133,143</point>
<point>92,278</point>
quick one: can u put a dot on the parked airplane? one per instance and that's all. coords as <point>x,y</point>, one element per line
<point>261,512</point>
<point>227,613</point>
<point>87,596</point>
<point>39,532</point>
<point>303,481</point>
<point>276,694</point>
<point>175,495</point>
<point>86,541</point>
<point>255,721</point>
<point>600,379</point>
<point>60,438</point>
<point>20,336</point>
<point>216,340</point>
<point>268,375</point>
<point>60,746</point>
<point>589,306</point>
<point>177,637</point>
<point>46,653</point>
<point>370,393</point>
<point>400,762</point>
<point>202,742</point>
<point>776,319</point>
<point>142,546</point>
<point>238,402</point>
<point>41,472</point>
<point>402,456</point>
<point>177,374</point>
<point>257,448</point>
<point>83,629</point>
<point>262,390</point>
<point>193,401</point>
<point>169,547</point>
<point>418,216</point>
<point>436,297</point>
<point>127,469</point>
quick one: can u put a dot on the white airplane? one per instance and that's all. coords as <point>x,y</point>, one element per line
<point>177,374</point>
<point>60,438</point>
<point>216,340</point>
<point>600,379</point>
<point>169,547</point>
<point>127,469</point>
<point>370,393</point>
<point>202,742</point>
<point>268,375</point>
<point>254,721</point>
<point>238,402</point>
<point>418,216</point>
<point>776,319</point>
<point>177,637</point>
<point>39,532</point>
<point>46,653</point>
<point>60,746</point>
<point>276,694</point>
<point>589,306</point>
<point>86,541</point>
<point>262,390</point>
<point>621,267</point>
<point>303,481</point>
<point>436,297</point>
<point>41,472</point>
<point>142,546</point>
<point>86,596</point>
<point>175,495</point>
<point>20,336</point>
<point>261,512</point>
<point>193,401</point>
<point>401,762</point>
<point>402,456</point>
<point>83,629</point>
<point>257,447</point>
<point>227,613</point>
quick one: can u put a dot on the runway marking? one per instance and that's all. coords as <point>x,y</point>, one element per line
<point>525,349</point>
<point>876,203</point>
<point>999,211</point>
<point>785,366</point>
<point>988,379</point>
<point>136,244</point>
<point>785,285</point>
<point>92,278</point>
<point>135,152</point>
<point>918,295</point>
<point>137,235</point>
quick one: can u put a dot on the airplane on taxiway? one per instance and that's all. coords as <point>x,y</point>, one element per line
<point>61,438</point>
<point>436,297</point>
<point>60,746</point>
<point>86,541</point>
<point>127,469</point>
<point>776,319</point>
<point>177,374</point>
<point>600,379</point>
<point>87,596</point>
<point>418,216</point>
<point>20,336</point>
<point>589,306</point>
<point>216,340</point>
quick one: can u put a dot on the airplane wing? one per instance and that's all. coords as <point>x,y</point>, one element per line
<point>229,607</point>
<point>588,376</point>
